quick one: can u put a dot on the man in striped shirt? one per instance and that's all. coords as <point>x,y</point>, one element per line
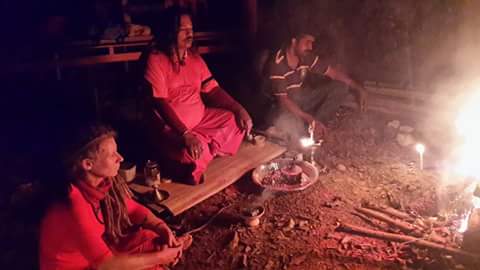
<point>301,105</point>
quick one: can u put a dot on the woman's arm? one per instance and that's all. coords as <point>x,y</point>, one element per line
<point>157,225</point>
<point>142,261</point>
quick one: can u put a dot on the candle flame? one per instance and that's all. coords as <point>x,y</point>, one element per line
<point>307,142</point>
<point>420,148</point>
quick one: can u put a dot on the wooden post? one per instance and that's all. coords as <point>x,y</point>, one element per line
<point>252,17</point>
<point>250,22</point>
<point>58,70</point>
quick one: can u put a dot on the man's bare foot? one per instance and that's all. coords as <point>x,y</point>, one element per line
<point>185,241</point>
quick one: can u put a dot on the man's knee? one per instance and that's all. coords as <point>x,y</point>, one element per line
<point>230,116</point>
<point>339,91</point>
<point>230,120</point>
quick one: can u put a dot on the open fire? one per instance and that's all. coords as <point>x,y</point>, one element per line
<point>468,128</point>
<point>466,155</point>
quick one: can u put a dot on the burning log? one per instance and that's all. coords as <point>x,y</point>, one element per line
<point>404,226</point>
<point>349,228</point>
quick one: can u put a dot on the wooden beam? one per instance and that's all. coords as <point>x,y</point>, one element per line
<point>100,59</point>
<point>110,52</point>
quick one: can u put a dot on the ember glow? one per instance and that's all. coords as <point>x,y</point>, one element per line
<point>476,202</point>
<point>475,205</point>
<point>464,223</point>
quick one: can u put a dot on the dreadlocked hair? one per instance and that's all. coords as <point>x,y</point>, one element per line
<point>166,31</point>
<point>86,145</point>
<point>114,210</point>
<point>113,207</point>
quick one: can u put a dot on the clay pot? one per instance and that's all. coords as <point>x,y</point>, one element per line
<point>252,216</point>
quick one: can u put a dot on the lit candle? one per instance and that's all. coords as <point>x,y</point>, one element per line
<point>307,142</point>
<point>420,149</point>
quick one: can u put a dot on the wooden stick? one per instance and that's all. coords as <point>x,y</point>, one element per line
<point>403,238</point>
<point>396,213</point>
<point>389,211</point>
<point>404,226</point>
<point>379,224</point>
<point>419,222</point>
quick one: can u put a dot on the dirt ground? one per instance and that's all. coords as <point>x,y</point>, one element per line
<point>363,162</point>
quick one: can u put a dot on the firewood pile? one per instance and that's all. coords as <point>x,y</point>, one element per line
<point>410,234</point>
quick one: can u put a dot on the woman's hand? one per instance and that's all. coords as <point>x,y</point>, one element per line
<point>163,256</point>
<point>167,236</point>
<point>169,255</point>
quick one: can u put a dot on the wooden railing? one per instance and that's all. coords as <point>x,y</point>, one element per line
<point>84,53</point>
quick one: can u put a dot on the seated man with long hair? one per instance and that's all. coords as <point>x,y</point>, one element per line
<point>194,119</point>
<point>92,221</point>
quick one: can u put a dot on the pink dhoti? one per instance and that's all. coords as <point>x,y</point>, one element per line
<point>178,91</point>
<point>217,131</point>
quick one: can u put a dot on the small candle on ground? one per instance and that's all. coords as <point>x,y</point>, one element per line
<point>420,149</point>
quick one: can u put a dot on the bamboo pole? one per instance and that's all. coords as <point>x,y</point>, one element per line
<point>404,226</point>
<point>389,211</point>
<point>349,228</point>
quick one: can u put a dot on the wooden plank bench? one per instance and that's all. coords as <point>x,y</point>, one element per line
<point>221,173</point>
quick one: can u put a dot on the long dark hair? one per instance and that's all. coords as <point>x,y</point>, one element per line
<point>166,30</point>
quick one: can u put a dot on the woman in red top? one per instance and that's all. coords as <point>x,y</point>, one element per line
<point>95,224</point>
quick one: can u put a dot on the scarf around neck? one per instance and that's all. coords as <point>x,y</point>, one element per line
<point>95,194</point>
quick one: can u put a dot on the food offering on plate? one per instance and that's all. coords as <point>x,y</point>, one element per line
<point>290,174</point>
<point>285,175</point>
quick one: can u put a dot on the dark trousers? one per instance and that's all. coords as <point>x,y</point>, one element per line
<point>322,102</point>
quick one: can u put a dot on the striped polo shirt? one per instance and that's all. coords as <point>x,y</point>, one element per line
<point>284,79</point>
